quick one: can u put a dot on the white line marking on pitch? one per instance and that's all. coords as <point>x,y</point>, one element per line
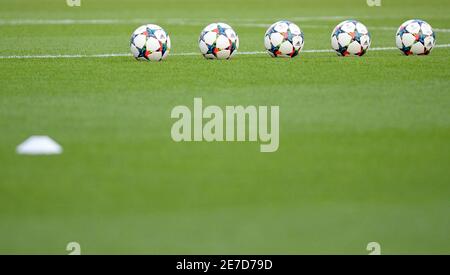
<point>174,54</point>
<point>181,21</point>
<point>188,22</point>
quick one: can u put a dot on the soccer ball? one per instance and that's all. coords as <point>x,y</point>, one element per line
<point>283,39</point>
<point>150,42</point>
<point>218,41</point>
<point>415,37</point>
<point>350,38</point>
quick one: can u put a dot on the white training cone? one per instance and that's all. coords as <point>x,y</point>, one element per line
<point>39,145</point>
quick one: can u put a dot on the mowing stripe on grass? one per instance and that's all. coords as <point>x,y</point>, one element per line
<point>175,54</point>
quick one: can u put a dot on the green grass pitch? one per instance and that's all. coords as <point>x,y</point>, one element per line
<point>364,142</point>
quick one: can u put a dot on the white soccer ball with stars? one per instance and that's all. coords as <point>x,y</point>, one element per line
<point>150,43</point>
<point>218,41</point>
<point>284,39</point>
<point>415,37</point>
<point>350,37</point>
